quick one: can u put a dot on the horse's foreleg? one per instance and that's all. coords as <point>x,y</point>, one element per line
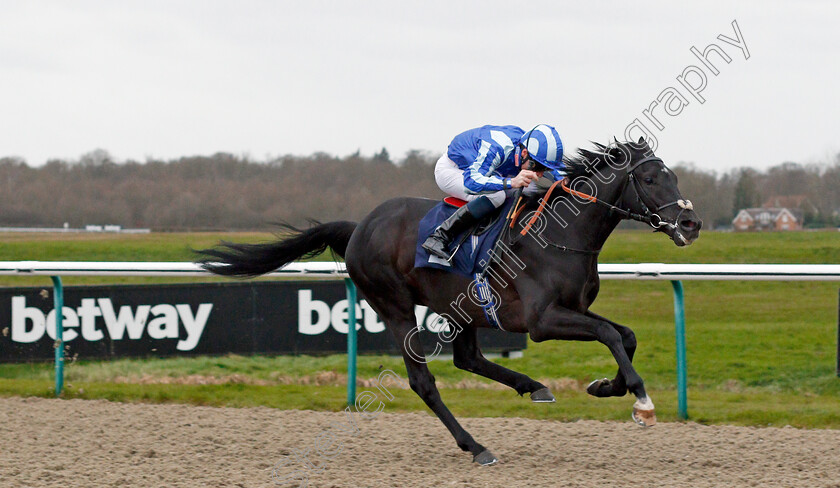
<point>560,323</point>
<point>467,356</point>
<point>618,386</point>
<point>423,383</point>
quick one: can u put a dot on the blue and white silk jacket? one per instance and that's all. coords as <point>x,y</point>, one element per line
<point>487,155</point>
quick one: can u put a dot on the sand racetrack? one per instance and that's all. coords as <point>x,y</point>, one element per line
<point>79,443</point>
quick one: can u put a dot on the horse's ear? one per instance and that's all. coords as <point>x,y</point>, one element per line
<point>643,144</point>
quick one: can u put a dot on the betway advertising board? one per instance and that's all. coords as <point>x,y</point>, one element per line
<point>212,318</point>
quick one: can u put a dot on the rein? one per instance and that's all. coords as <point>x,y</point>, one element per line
<point>625,214</point>
<point>539,211</point>
<point>648,217</point>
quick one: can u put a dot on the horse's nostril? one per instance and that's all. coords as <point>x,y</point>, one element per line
<point>688,224</point>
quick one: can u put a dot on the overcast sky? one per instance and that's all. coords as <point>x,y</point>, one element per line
<point>175,78</point>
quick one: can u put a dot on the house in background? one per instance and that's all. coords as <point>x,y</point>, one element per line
<point>764,219</point>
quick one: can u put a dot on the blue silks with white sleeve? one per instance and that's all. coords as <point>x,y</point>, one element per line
<point>488,154</point>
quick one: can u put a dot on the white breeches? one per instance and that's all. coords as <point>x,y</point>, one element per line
<point>450,179</point>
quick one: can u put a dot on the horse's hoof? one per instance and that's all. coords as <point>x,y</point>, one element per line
<point>543,395</point>
<point>594,388</point>
<point>485,458</point>
<point>644,413</point>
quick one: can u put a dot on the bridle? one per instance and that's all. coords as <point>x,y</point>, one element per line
<point>647,216</point>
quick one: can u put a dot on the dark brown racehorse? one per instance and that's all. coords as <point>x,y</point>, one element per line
<point>543,282</point>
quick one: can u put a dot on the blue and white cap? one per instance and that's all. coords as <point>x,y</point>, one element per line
<point>544,146</point>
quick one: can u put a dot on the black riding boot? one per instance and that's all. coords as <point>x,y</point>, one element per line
<point>461,220</point>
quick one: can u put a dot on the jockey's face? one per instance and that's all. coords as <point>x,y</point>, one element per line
<point>526,162</point>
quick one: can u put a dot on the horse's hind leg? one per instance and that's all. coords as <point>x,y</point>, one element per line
<point>397,311</point>
<point>467,356</point>
<point>423,383</point>
<point>617,386</point>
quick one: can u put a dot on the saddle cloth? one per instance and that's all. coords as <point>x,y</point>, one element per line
<point>474,253</point>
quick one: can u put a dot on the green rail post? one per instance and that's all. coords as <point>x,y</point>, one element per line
<point>351,341</point>
<point>58,300</point>
<point>679,326</point>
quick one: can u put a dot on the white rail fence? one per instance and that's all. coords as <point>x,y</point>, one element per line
<point>675,273</point>
<point>332,270</point>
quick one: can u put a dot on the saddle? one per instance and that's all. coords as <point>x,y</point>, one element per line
<point>472,247</point>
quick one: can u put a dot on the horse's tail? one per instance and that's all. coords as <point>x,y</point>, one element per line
<point>250,260</point>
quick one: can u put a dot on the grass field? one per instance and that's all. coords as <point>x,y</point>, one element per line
<point>759,353</point>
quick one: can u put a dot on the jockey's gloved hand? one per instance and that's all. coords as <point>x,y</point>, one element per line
<point>532,190</point>
<point>540,186</point>
<point>545,181</point>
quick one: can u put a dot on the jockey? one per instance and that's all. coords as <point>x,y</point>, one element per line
<point>480,164</point>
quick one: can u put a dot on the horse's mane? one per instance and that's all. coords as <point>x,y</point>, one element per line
<point>585,162</point>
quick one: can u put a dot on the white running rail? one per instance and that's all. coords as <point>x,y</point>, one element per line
<point>641,271</point>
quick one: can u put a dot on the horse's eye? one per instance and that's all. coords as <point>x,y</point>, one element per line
<point>648,180</point>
